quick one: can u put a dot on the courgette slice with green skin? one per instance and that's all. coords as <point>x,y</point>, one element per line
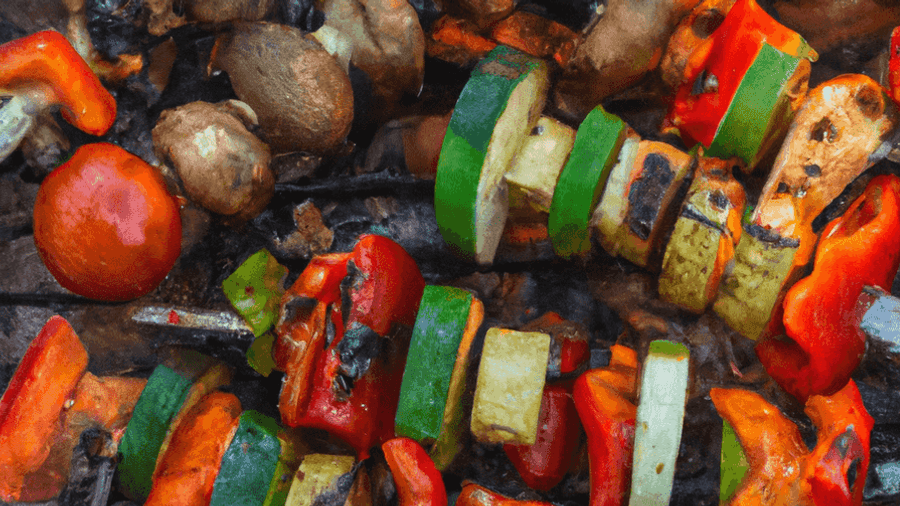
<point>497,109</point>
<point>159,403</point>
<point>734,463</point>
<point>609,216</point>
<point>660,417</point>
<point>319,475</point>
<point>760,111</point>
<point>249,462</point>
<point>582,180</point>
<point>450,440</point>
<point>763,270</point>
<point>443,312</point>
<point>215,376</point>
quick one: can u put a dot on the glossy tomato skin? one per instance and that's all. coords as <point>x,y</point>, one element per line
<point>105,224</point>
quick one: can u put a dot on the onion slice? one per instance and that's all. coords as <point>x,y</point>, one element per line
<point>660,416</point>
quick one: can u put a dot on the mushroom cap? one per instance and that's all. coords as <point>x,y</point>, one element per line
<point>301,95</point>
<point>48,62</point>
<point>105,224</point>
<point>222,166</point>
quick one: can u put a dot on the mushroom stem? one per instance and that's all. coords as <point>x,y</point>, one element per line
<point>15,121</point>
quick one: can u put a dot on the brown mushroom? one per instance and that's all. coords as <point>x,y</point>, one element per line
<point>388,45</point>
<point>300,93</point>
<point>219,11</point>
<point>222,166</point>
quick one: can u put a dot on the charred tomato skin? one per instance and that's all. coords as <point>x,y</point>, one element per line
<point>105,225</point>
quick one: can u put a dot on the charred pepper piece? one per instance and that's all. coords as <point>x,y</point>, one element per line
<point>342,341</point>
<point>826,342</point>
<point>605,399</point>
<point>782,469</point>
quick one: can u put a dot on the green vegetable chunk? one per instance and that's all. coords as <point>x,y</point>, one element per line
<point>249,462</point>
<point>496,111</point>
<point>158,404</point>
<point>582,181</point>
<point>760,113</point>
<point>443,312</point>
<point>734,463</point>
<point>255,290</point>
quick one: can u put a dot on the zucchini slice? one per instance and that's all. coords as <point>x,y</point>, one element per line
<point>160,401</point>
<point>320,476</point>
<point>705,235</point>
<point>510,385</point>
<point>450,440</point>
<point>764,268</point>
<point>443,312</point>
<point>497,109</point>
<point>582,180</point>
<point>660,416</point>
<point>249,462</point>
<point>532,178</point>
<point>609,216</point>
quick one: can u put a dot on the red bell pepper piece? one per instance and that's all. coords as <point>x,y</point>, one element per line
<point>832,474</point>
<point>894,65</point>
<point>545,463</point>
<point>31,409</point>
<point>419,483</point>
<point>569,349</point>
<point>339,376</point>
<point>745,64</point>
<point>605,399</point>
<point>476,495</point>
<point>820,316</point>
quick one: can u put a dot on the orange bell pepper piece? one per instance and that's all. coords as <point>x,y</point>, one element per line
<point>782,470</point>
<point>605,400</point>
<point>31,409</point>
<point>188,470</point>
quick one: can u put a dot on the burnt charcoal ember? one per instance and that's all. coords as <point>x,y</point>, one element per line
<point>428,11</point>
<point>299,13</point>
<point>696,481</point>
<point>91,474</point>
<point>113,27</point>
<point>359,346</point>
<point>576,14</point>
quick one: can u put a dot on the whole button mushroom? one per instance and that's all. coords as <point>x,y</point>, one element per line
<point>223,167</point>
<point>299,92</point>
<point>388,45</point>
